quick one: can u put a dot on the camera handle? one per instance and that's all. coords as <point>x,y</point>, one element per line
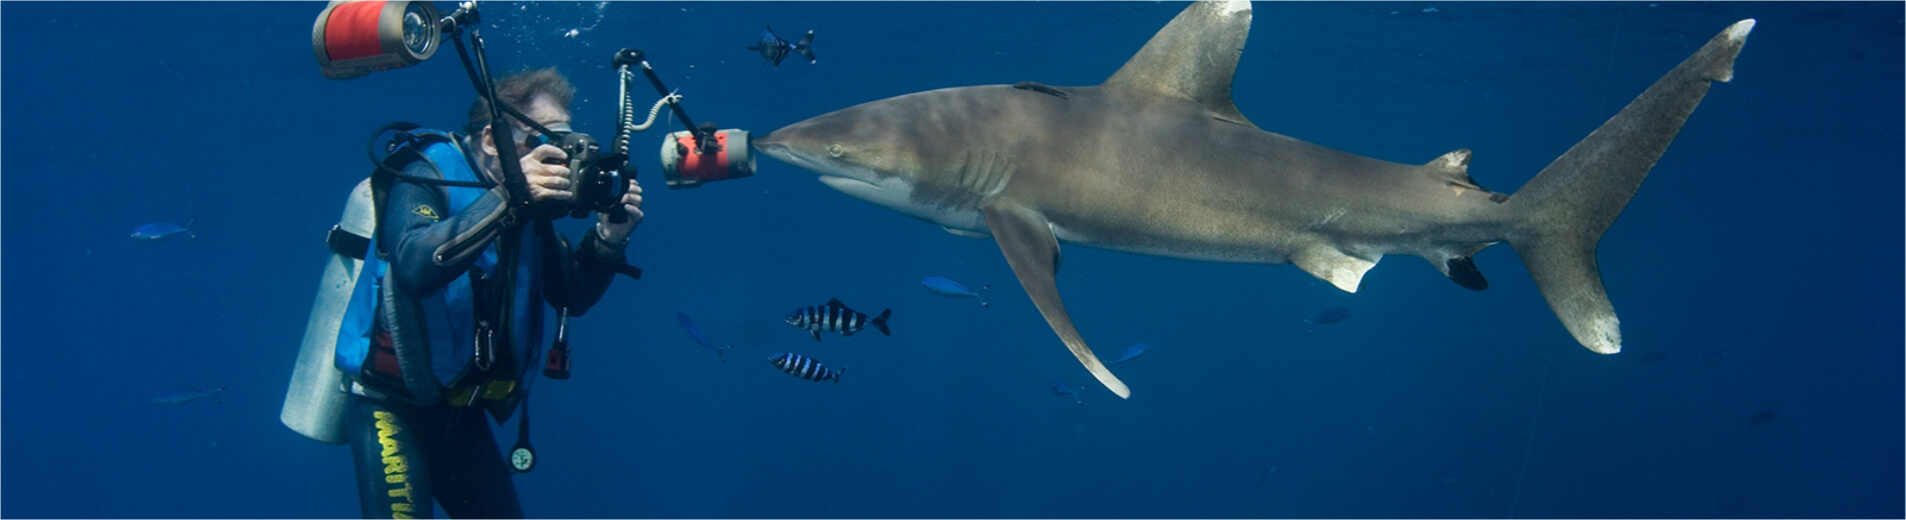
<point>513,180</point>
<point>625,109</point>
<point>704,137</point>
<point>514,183</point>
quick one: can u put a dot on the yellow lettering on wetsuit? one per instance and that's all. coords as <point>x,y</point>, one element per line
<point>394,470</point>
<point>396,467</point>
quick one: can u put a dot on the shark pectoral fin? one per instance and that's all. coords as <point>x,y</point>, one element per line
<point>1032,250</point>
<point>1331,265</point>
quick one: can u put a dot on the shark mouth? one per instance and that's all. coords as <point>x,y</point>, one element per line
<point>848,184</point>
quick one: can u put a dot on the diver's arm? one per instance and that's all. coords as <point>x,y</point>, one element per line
<point>428,250</point>
<point>578,277</point>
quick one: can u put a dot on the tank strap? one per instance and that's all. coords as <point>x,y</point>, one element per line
<point>348,244</point>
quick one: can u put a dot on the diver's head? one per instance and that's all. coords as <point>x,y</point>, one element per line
<point>543,95</point>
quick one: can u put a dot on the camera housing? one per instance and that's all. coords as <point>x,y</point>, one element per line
<point>597,179</point>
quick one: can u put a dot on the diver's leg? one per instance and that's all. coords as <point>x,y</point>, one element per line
<point>393,474</point>
<point>472,479</point>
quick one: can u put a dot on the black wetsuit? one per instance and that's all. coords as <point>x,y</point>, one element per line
<point>407,455</point>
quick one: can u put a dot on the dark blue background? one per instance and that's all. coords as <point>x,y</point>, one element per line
<point>1763,258</point>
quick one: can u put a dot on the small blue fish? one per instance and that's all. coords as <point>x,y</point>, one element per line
<point>1059,387</point>
<point>1329,316</point>
<point>773,49</point>
<point>180,396</point>
<point>1132,352</point>
<point>834,316</point>
<point>163,230</point>
<point>804,367</point>
<point>952,289</point>
<point>696,332</point>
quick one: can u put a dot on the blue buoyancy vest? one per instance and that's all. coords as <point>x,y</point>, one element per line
<point>449,314</point>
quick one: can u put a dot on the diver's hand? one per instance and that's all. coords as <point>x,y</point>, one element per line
<point>617,235</point>
<point>546,171</point>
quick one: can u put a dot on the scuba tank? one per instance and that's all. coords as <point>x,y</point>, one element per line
<point>315,402</point>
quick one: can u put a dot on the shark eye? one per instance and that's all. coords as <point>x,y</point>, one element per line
<point>835,151</point>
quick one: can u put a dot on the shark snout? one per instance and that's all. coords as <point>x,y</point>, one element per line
<point>774,146</point>
<point>769,141</point>
<point>791,145</point>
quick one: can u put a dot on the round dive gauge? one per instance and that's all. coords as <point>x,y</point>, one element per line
<point>523,459</point>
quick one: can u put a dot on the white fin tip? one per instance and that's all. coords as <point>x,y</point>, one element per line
<point>1232,7</point>
<point>1604,335</point>
<point>1346,279</point>
<point>1738,31</point>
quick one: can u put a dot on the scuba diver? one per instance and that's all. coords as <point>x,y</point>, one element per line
<point>440,255</point>
<point>430,312</point>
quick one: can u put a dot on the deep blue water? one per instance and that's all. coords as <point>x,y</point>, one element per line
<point>1760,266</point>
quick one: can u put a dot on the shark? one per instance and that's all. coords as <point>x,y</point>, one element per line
<point>1158,160</point>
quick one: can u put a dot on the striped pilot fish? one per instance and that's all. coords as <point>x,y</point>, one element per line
<point>836,317</point>
<point>804,367</point>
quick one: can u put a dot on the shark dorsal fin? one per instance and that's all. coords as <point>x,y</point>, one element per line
<point>1194,57</point>
<point>1453,169</point>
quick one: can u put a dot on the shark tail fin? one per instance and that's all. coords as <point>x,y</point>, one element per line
<point>1564,210</point>
<point>804,47</point>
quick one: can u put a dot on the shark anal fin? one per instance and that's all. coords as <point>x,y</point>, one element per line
<point>1027,240</point>
<point>1463,271</point>
<point>1331,265</point>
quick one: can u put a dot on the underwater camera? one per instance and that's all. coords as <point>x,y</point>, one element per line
<point>353,39</point>
<point>597,178</point>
